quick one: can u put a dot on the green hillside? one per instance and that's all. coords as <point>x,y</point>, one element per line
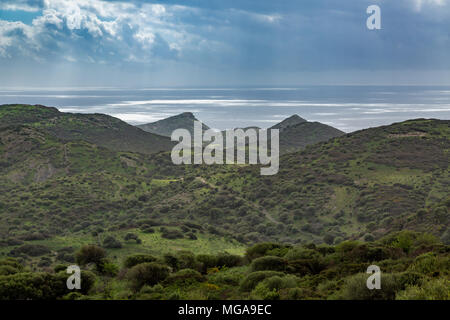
<point>99,129</point>
<point>57,194</point>
<point>298,136</point>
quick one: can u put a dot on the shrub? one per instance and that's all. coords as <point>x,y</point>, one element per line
<point>60,267</point>
<point>11,262</point>
<point>107,268</point>
<point>328,239</point>
<point>186,260</point>
<point>32,286</point>
<point>426,263</point>
<point>277,282</point>
<point>228,260</point>
<point>437,289</point>
<point>446,237</point>
<point>136,259</point>
<point>33,250</point>
<point>404,241</point>
<point>269,263</point>
<point>250,282</point>
<point>40,286</point>
<point>262,249</point>
<point>184,277</point>
<point>149,273</point>
<point>171,233</point>
<point>207,261</point>
<point>297,253</point>
<point>112,243</point>
<point>7,270</point>
<point>131,236</point>
<point>355,288</point>
<point>261,292</point>
<point>90,254</point>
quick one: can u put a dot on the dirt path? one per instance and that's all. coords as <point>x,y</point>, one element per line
<point>252,204</point>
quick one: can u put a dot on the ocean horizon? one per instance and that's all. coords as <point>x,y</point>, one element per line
<point>348,108</point>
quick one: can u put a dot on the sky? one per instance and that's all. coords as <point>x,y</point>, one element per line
<point>195,43</point>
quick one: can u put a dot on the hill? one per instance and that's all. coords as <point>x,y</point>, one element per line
<point>288,122</point>
<point>99,129</point>
<point>165,127</point>
<point>61,193</point>
<point>296,133</point>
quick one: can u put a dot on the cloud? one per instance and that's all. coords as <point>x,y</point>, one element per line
<point>21,5</point>
<point>220,40</point>
<point>418,4</point>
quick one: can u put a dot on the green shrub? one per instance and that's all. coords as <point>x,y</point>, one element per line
<point>184,277</point>
<point>60,267</point>
<point>7,270</point>
<point>437,289</point>
<point>355,288</point>
<point>250,282</point>
<point>207,261</point>
<point>301,253</point>
<point>112,243</point>
<point>262,292</point>
<point>261,249</point>
<point>269,263</point>
<point>89,254</point>
<point>136,259</point>
<point>32,250</point>
<point>426,264</point>
<point>107,268</point>
<point>32,286</point>
<point>149,273</point>
<point>228,260</point>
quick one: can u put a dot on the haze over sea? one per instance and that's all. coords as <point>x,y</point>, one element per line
<point>348,108</point>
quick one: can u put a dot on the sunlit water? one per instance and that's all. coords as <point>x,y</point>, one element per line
<point>348,108</point>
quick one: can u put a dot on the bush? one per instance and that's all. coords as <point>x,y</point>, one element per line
<point>11,262</point>
<point>207,261</point>
<point>250,282</point>
<point>355,288</point>
<point>33,250</point>
<point>262,249</point>
<point>278,283</point>
<point>32,286</point>
<point>131,236</point>
<point>437,289</point>
<point>171,233</point>
<point>107,268</point>
<point>183,260</point>
<point>7,270</point>
<point>90,254</point>
<point>184,277</point>
<point>228,260</point>
<point>149,273</point>
<point>40,286</point>
<point>112,243</point>
<point>136,259</point>
<point>297,253</point>
<point>269,263</point>
<point>262,292</point>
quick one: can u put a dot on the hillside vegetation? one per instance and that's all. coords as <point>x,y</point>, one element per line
<point>60,190</point>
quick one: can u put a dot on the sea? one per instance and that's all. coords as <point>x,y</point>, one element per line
<point>348,108</point>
